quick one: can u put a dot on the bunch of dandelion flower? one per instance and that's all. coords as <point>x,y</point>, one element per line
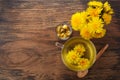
<point>91,22</point>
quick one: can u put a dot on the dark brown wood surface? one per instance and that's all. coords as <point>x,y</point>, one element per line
<point>27,41</point>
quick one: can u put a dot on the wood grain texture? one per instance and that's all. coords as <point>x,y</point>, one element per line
<point>27,41</point>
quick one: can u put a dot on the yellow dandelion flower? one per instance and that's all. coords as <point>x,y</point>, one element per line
<point>80,49</point>
<point>107,18</point>
<point>78,20</point>
<point>95,4</point>
<point>85,33</point>
<point>94,12</point>
<point>107,8</point>
<point>111,11</point>
<point>72,57</point>
<point>94,24</point>
<point>99,33</point>
<point>84,63</point>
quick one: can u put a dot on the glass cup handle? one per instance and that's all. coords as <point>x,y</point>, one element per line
<point>59,45</point>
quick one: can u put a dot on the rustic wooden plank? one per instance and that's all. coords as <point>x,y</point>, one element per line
<point>27,41</point>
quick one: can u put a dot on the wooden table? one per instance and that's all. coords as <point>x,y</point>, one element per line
<point>27,41</point>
